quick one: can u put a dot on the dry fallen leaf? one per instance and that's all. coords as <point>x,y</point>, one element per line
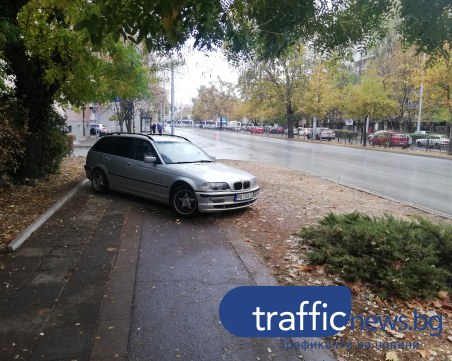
<point>391,356</point>
<point>306,268</point>
<point>423,353</point>
<point>437,304</point>
<point>355,287</point>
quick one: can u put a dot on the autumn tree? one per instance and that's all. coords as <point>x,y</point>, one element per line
<point>274,84</point>
<point>321,95</point>
<point>438,89</point>
<point>216,101</point>
<point>44,61</point>
<point>399,69</point>
<point>260,99</point>
<point>368,99</point>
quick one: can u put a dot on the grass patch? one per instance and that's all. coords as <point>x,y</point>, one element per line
<point>402,258</point>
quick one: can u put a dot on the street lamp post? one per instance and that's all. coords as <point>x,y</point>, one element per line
<point>172,98</point>
<point>418,128</point>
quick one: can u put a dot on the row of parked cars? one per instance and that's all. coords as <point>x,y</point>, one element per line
<point>386,138</point>
<point>319,133</point>
<point>390,138</point>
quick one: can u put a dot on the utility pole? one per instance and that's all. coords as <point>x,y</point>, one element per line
<point>418,128</point>
<point>172,97</point>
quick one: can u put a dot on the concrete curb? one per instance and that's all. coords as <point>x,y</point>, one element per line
<point>21,238</point>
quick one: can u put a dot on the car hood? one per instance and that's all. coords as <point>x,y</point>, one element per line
<point>210,172</point>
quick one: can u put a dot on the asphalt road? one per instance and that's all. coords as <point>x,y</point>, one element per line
<point>423,182</point>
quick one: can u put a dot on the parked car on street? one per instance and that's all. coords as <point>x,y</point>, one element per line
<point>100,129</point>
<point>378,132</point>
<point>257,130</point>
<point>390,139</point>
<point>433,141</point>
<point>324,133</point>
<point>277,130</point>
<point>168,169</point>
<point>304,132</point>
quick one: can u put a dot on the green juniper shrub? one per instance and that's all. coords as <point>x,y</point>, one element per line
<point>402,258</point>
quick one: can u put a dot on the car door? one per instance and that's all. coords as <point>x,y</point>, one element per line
<point>144,178</point>
<point>116,163</point>
<point>381,139</point>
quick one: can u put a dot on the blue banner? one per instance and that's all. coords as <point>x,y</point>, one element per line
<point>283,311</point>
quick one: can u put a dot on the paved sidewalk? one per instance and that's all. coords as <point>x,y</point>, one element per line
<point>87,141</point>
<point>114,277</point>
<point>53,287</point>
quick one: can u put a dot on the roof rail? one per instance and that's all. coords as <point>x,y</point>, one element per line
<point>148,135</point>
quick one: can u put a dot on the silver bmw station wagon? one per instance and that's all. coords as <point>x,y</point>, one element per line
<point>168,169</point>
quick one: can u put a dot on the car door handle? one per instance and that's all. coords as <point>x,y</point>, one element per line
<point>131,164</point>
<point>107,158</point>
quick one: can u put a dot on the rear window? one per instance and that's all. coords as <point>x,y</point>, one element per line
<point>121,147</point>
<point>103,145</point>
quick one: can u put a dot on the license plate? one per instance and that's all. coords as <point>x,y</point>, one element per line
<point>244,196</point>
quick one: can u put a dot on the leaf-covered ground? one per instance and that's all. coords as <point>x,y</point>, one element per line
<point>21,205</point>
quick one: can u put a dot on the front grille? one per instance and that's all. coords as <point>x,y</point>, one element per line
<point>235,205</point>
<point>242,185</point>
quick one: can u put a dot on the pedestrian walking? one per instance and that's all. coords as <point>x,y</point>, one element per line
<point>159,128</point>
<point>153,126</point>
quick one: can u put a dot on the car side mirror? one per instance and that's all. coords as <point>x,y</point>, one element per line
<point>149,159</point>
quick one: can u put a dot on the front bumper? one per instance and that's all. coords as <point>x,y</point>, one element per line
<point>222,201</point>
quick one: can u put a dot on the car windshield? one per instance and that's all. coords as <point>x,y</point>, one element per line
<point>181,152</point>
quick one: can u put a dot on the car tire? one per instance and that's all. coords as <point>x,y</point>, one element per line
<point>419,144</point>
<point>99,181</point>
<point>184,201</point>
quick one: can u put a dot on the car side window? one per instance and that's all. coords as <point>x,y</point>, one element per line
<point>142,148</point>
<point>103,145</point>
<point>122,147</point>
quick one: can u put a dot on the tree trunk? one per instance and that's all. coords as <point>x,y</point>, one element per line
<point>32,93</point>
<point>365,130</point>
<point>37,98</point>
<point>289,114</point>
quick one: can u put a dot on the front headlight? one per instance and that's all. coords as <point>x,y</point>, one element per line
<point>253,183</point>
<point>215,187</point>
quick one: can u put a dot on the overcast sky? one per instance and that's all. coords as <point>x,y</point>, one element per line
<point>199,69</point>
